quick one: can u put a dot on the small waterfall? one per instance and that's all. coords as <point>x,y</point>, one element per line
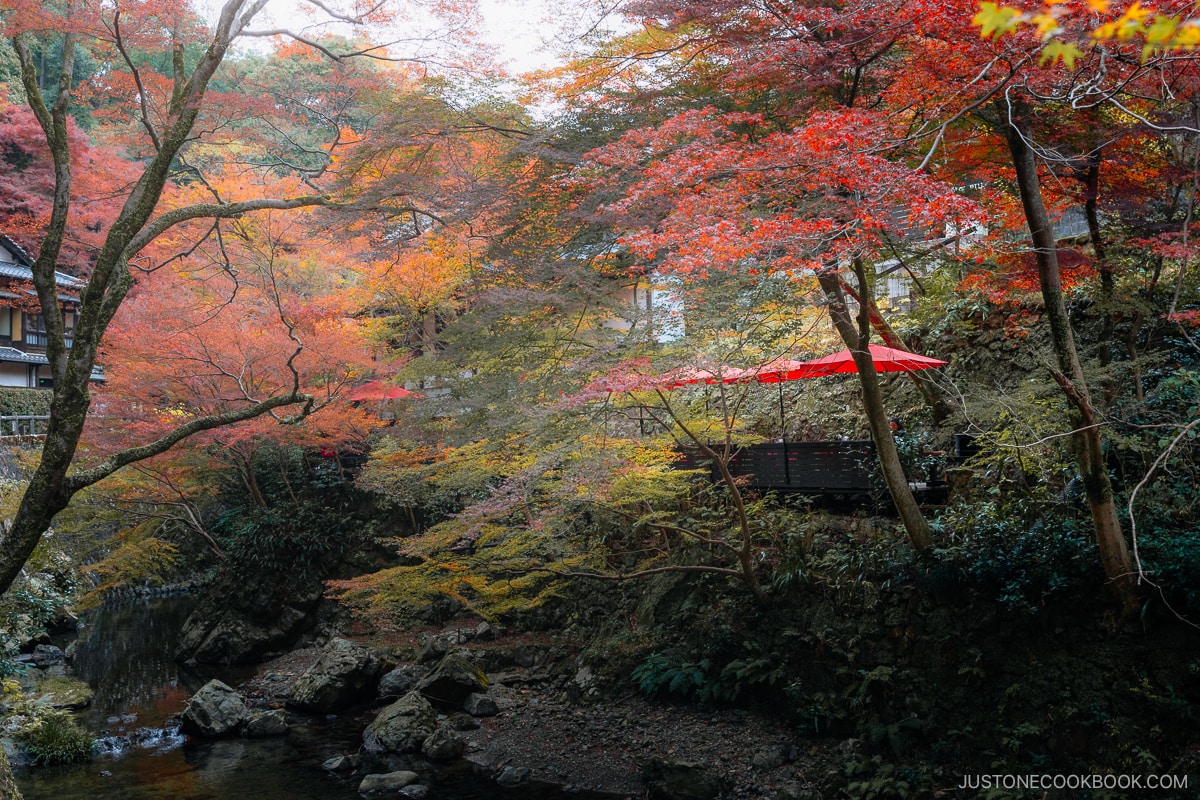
<point>153,740</point>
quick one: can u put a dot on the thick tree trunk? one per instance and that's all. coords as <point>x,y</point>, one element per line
<point>45,496</point>
<point>1089,449</point>
<point>1091,182</point>
<point>856,338</point>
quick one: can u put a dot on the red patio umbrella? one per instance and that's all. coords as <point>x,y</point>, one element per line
<point>778,371</point>
<point>689,376</point>
<point>378,390</point>
<point>887,359</point>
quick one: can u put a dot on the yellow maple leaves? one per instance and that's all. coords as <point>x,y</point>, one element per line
<point>1138,22</point>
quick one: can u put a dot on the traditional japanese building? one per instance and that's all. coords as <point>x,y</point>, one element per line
<point>23,339</point>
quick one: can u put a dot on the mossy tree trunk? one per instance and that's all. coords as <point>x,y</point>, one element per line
<point>8,784</point>
<point>930,393</point>
<point>857,335</point>
<point>1084,420</point>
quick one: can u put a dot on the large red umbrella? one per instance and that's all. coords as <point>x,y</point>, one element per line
<point>378,390</point>
<point>635,380</point>
<point>887,359</point>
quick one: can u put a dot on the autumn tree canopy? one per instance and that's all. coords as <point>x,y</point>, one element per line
<point>185,147</point>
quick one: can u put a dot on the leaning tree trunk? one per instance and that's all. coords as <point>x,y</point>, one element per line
<point>856,338</point>
<point>55,480</point>
<point>1088,444</point>
<point>930,392</point>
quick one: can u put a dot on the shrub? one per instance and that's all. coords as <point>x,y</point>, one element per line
<point>16,401</point>
<point>1023,563</point>
<point>50,736</point>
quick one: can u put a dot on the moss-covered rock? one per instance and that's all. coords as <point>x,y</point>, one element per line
<point>452,681</point>
<point>402,727</point>
<point>215,710</point>
<point>64,692</point>
<point>344,674</point>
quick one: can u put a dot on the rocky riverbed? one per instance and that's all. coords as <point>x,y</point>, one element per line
<point>622,744</point>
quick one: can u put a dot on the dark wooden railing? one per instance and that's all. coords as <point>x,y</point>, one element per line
<point>828,469</point>
<point>846,467</point>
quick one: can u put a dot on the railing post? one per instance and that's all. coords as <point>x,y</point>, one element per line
<point>18,425</point>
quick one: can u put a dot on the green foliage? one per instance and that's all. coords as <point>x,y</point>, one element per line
<point>659,674</point>
<point>305,526</point>
<point>24,402</point>
<point>51,736</point>
<point>1174,560</point>
<point>708,680</point>
<point>849,565</point>
<point>137,559</point>
<point>874,778</point>
<point>510,516</point>
<point>400,596</point>
<point>1025,564</point>
<point>36,598</point>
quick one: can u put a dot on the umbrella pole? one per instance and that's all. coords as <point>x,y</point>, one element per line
<point>787,468</point>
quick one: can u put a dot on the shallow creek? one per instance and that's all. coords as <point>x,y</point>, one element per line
<point>126,654</point>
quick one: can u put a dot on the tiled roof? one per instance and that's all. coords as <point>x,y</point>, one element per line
<point>23,273</point>
<point>18,252</point>
<point>13,354</point>
<point>20,270</point>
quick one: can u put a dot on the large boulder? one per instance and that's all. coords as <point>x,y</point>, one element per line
<point>401,680</point>
<point>234,639</point>
<point>402,727</point>
<point>443,745</point>
<point>266,723</point>
<point>480,705</point>
<point>47,655</point>
<point>511,777</point>
<point>453,681</point>
<point>215,710</point>
<point>439,645</point>
<point>240,622</point>
<point>342,675</point>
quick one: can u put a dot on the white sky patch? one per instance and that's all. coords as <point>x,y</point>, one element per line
<point>522,32</point>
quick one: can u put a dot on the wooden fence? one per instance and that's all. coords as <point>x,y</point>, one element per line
<point>819,467</point>
<point>23,425</point>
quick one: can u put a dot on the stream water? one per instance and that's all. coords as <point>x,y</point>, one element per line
<point>126,654</point>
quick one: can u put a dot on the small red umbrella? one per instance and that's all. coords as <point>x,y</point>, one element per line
<point>689,376</point>
<point>378,390</point>
<point>778,371</point>
<point>887,359</point>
